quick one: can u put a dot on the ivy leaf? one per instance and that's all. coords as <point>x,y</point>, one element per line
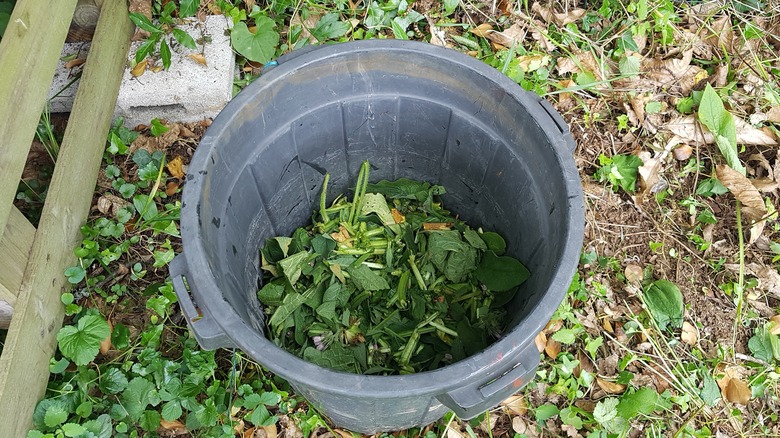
<point>82,342</point>
<point>665,303</point>
<point>500,273</point>
<point>258,46</point>
<point>330,27</point>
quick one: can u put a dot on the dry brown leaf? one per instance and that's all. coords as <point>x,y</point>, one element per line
<point>139,68</point>
<point>176,167</point>
<point>634,273</point>
<point>571,431</point>
<point>561,19</point>
<point>689,333</point>
<point>553,348</point>
<point>638,103</point>
<point>343,433</point>
<point>482,30</point>
<point>519,426</point>
<point>532,62</point>
<point>437,226</point>
<point>171,187</point>
<point>453,433</point>
<point>239,427</point>
<point>610,387</point>
<point>687,129</point>
<point>682,152</point>
<point>607,326</point>
<point>104,205</point>
<point>105,344</point>
<point>515,404</point>
<point>175,425</point>
<point>75,62</point>
<point>673,73</point>
<point>513,35</point>
<point>541,341</point>
<point>553,326</point>
<point>743,190</point>
<point>773,115</point>
<point>734,389</point>
<point>722,35</point>
<point>199,58</point>
<point>341,236</point>
<point>161,143</point>
<point>398,217</point>
<point>775,327</point>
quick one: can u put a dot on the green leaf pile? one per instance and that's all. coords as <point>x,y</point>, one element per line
<point>388,282</point>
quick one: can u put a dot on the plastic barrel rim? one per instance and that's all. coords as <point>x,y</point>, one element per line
<point>282,127</point>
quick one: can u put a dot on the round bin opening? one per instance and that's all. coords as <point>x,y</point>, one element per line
<point>413,111</point>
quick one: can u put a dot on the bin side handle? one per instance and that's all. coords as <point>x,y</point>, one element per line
<point>473,399</point>
<point>207,332</point>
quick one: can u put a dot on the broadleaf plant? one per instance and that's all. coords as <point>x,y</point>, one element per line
<point>721,124</point>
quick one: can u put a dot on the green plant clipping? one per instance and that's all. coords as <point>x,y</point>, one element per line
<point>81,343</point>
<point>619,170</point>
<point>258,46</point>
<point>721,124</point>
<point>386,282</point>
<point>665,303</point>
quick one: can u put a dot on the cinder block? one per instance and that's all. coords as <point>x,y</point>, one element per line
<point>188,91</point>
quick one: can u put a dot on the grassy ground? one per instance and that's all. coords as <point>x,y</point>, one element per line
<point>642,84</point>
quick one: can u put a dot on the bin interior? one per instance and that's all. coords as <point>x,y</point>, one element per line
<point>413,118</point>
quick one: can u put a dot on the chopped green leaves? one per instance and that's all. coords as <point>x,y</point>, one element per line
<point>387,282</point>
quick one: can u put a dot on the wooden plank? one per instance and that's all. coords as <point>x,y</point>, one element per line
<point>31,338</point>
<point>14,249</point>
<point>29,52</point>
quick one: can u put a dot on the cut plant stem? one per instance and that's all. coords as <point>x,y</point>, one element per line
<point>360,190</point>
<point>416,271</point>
<point>323,196</point>
<point>740,289</point>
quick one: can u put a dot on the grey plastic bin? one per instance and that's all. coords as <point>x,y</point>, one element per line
<point>416,111</point>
